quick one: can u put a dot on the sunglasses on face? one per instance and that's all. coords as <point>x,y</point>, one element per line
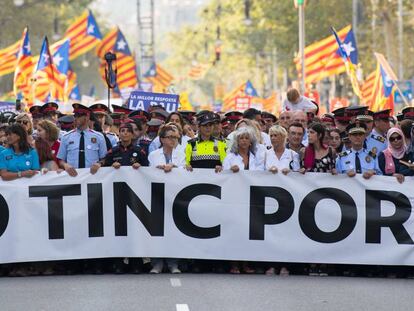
<point>395,138</point>
<point>22,122</point>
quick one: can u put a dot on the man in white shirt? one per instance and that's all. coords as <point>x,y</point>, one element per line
<point>294,101</point>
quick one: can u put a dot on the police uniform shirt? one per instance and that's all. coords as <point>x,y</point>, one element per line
<point>375,143</point>
<point>112,138</point>
<point>345,162</point>
<point>205,154</point>
<point>13,162</point>
<point>126,156</point>
<point>95,147</point>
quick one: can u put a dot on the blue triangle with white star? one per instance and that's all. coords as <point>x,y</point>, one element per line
<point>249,90</point>
<point>61,58</point>
<point>92,27</point>
<point>121,45</point>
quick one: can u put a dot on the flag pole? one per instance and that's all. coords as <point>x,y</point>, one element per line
<point>301,9</point>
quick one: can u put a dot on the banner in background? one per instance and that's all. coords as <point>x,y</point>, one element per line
<point>255,216</point>
<point>143,100</point>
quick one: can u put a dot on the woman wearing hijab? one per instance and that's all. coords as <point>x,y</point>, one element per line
<point>389,159</point>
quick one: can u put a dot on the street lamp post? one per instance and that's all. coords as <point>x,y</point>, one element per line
<point>301,9</point>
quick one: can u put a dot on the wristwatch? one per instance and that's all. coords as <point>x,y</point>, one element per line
<point>19,174</point>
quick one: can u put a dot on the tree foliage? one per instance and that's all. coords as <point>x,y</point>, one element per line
<point>39,16</point>
<point>246,49</point>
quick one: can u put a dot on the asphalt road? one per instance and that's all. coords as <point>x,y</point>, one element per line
<point>207,292</point>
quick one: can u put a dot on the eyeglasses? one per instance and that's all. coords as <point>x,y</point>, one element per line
<point>395,138</point>
<point>172,137</point>
<point>22,122</point>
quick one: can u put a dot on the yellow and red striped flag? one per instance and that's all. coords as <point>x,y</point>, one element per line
<point>198,71</point>
<point>322,58</point>
<point>366,89</point>
<point>384,86</point>
<point>8,58</point>
<point>24,70</point>
<point>159,78</point>
<point>244,90</point>
<point>83,34</point>
<point>48,80</point>
<point>115,42</point>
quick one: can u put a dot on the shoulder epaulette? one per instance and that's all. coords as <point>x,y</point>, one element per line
<point>66,133</point>
<point>378,138</point>
<point>344,153</point>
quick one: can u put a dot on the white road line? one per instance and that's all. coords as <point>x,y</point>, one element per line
<point>182,307</point>
<point>175,282</point>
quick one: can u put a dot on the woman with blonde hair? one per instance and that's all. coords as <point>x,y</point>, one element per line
<point>280,158</point>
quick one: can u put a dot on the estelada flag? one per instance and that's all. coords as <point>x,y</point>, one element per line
<point>24,69</point>
<point>322,58</point>
<point>115,42</point>
<point>84,35</point>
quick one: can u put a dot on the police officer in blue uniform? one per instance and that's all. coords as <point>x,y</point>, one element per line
<point>81,147</point>
<point>100,111</point>
<point>378,135</point>
<point>357,160</point>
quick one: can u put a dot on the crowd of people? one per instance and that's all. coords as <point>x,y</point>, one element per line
<point>351,141</point>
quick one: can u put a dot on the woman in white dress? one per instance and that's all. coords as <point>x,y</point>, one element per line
<point>167,158</point>
<point>280,158</point>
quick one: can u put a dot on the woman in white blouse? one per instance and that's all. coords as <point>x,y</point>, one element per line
<point>242,154</point>
<point>168,156</point>
<point>280,158</point>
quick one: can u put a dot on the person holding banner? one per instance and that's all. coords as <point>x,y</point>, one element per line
<point>357,160</point>
<point>20,159</point>
<point>242,156</point>
<point>242,153</point>
<point>389,159</point>
<point>280,158</point>
<point>205,151</point>
<point>82,147</point>
<point>126,153</point>
<point>167,158</point>
<point>318,157</point>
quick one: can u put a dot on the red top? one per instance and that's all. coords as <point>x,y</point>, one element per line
<point>55,149</point>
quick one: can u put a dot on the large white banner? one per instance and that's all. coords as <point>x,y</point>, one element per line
<point>254,216</point>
